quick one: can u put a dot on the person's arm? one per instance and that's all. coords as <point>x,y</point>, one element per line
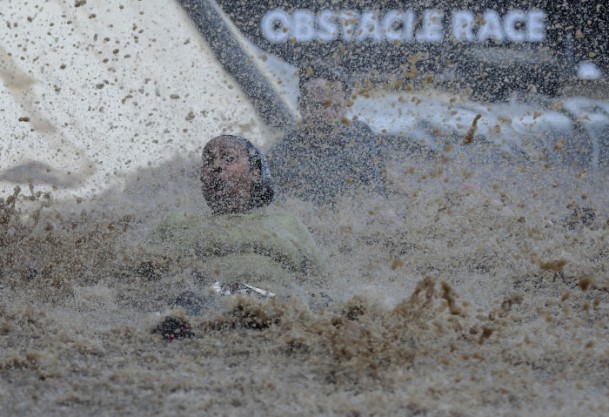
<point>376,159</point>
<point>380,171</point>
<point>282,159</point>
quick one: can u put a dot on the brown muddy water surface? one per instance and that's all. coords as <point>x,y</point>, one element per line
<point>472,290</point>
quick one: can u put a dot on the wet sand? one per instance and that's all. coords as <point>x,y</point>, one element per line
<point>472,290</point>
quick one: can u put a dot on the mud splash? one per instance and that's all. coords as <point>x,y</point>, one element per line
<point>466,292</point>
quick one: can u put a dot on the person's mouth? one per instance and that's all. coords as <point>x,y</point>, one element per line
<point>218,186</point>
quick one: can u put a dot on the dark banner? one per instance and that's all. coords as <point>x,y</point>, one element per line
<point>439,36</point>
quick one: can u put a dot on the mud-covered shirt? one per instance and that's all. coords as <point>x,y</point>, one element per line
<point>271,251</point>
<point>322,169</point>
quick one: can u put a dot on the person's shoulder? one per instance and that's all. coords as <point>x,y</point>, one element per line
<point>278,150</point>
<point>283,156</point>
<point>361,133</point>
<point>361,127</point>
<point>289,141</point>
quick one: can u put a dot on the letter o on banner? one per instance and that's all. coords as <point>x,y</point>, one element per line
<point>275,26</point>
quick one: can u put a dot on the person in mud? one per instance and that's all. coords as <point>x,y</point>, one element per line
<point>235,176</point>
<point>327,156</point>
<point>240,246</point>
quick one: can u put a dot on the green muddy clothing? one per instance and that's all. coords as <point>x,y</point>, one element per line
<point>270,251</point>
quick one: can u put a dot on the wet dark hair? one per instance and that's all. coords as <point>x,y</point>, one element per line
<point>320,69</point>
<point>263,191</point>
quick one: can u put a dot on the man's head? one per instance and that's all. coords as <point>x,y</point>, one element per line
<point>324,94</point>
<point>235,176</point>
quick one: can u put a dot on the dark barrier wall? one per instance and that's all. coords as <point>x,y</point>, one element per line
<point>237,63</point>
<point>540,40</point>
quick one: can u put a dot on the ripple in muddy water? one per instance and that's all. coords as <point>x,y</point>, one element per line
<point>470,289</point>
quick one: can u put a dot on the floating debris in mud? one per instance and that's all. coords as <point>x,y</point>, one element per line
<point>239,288</point>
<point>172,328</point>
<point>396,263</point>
<point>30,272</point>
<point>449,295</point>
<point>469,137</point>
<point>581,216</point>
<point>555,266</point>
<point>584,283</point>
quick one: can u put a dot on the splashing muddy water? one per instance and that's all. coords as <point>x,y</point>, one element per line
<point>472,289</point>
<point>478,286</point>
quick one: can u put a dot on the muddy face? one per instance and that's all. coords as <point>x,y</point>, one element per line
<point>226,176</point>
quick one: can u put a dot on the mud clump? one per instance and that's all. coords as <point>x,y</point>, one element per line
<point>555,266</point>
<point>468,317</point>
<point>358,342</point>
<point>585,283</point>
<point>247,313</point>
<point>173,328</point>
<point>49,251</point>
